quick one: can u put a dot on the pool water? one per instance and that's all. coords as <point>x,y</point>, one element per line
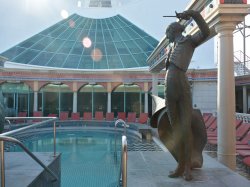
<point>89,158</point>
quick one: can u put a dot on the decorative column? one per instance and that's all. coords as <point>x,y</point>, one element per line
<point>74,97</point>
<point>146,97</point>
<point>109,89</point>
<point>226,95</point>
<point>154,89</point>
<point>155,84</point>
<point>245,107</point>
<point>35,105</point>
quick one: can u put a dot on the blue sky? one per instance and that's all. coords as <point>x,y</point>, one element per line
<point>20,19</point>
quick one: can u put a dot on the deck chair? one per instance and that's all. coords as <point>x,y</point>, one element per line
<point>64,115</point>
<point>87,116</point>
<point>75,116</point>
<point>210,121</point>
<point>21,114</point>
<point>214,132</point>
<point>143,118</point>
<point>206,116</point>
<point>37,114</point>
<point>131,117</point>
<point>52,115</point>
<point>241,131</point>
<point>110,116</point>
<point>246,161</point>
<point>99,115</point>
<point>243,153</point>
<point>121,115</point>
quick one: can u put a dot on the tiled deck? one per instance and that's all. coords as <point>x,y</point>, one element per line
<point>150,169</point>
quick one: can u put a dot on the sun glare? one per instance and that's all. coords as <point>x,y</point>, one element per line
<point>86,42</point>
<point>64,14</point>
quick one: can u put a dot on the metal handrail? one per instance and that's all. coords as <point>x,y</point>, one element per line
<point>14,140</point>
<point>4,137</point>
<point>124,161</point>
<point>124,125</point>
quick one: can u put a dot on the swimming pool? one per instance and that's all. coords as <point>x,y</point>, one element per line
<point>90,158</point>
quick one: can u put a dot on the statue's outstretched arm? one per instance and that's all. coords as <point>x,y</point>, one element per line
<point>203,26</point>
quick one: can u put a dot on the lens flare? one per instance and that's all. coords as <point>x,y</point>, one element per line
<point>96,54</point>
<point>64,14</point>
<point>72,23</point>
<point>86,42</point>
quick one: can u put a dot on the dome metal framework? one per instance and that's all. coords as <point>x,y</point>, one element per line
<point>85,43</point>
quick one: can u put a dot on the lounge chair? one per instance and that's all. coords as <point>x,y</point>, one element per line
<point>64,115</point>
<point>241,131</point>
<point>110,116</point>
<point>121,115</point>
<point>21,114</point>
<point>87,116</point>
<point>75,116</point>
<point>206,116</point>
<point>37,114</point>
<point>99,115</point>
<point>143,118</point>
<point>131,117</point>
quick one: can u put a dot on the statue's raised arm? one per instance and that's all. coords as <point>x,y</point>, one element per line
<point>204,32</point>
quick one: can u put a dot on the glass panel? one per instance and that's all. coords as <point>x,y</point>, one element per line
<point>131,32</point>
<point>101,64</point>
<point>51,103</point>
<point>132,46</point>
<point>26,57</point>
<point>144,45</point>
<point>110,48</point>
<point>100,101</point>
<point>57,60</point>
<point>42,43</point>
<point>72,61</point>
<point>123,34</point>
<point>115,35</point>
<point>54,46</point>
<point>107,36</point>
<point>22,102</point>
<point>114,62</point>
<point>133,102</point>
<point>59,31</point>
<point>13,52</point>
<point>128,61</point>
<point>77,49</point>
<point>66,101</point>
<point>151,41</point>
<point>40,101</point>
<point>99,36</point>
<point>66,47</point>
<point>117,102</point>
<point>42,59</point>
<point>87,101</point>
<point>86,63</point>
<point>141,59</point>
<point>122,48</point>
<point>31,41</point>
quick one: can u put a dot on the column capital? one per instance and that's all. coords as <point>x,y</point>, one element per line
<point>225,27</point>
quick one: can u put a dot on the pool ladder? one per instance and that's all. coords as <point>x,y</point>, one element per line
<point>123,171</point>
<point>4,137</point>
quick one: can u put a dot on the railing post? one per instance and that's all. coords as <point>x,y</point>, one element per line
<point>124,161</point>
<point>54,139</point>
<point>2,164</point>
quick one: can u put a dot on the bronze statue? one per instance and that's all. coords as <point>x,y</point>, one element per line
<point>180,126</point>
